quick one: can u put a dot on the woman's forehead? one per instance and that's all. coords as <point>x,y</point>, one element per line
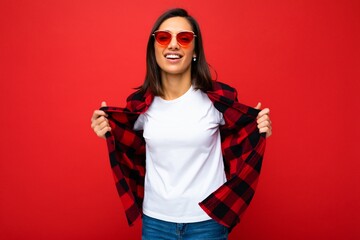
<point>176,24</point>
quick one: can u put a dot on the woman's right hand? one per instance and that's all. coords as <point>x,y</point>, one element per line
<point>99,122</point>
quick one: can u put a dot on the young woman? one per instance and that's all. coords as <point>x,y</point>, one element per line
<point>201,148</point>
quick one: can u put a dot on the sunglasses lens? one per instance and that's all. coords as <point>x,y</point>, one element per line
<point>163,38</point>
<point>185,38</point>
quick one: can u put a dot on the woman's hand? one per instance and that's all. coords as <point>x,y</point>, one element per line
<point>99,122</point>
<point>263,120</point>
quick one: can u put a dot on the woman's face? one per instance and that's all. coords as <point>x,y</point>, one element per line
<point>175,59</point>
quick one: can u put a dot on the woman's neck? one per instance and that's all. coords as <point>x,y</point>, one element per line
<point>175,86</point>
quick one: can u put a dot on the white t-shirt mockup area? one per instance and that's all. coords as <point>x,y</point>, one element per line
<point>184,162</point>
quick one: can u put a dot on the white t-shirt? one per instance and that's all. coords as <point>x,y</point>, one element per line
<point>184,163</point>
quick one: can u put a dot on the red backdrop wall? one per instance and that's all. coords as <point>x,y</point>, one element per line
<point>60,59</point>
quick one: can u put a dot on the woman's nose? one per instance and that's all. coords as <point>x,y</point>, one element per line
<point>173,43</point>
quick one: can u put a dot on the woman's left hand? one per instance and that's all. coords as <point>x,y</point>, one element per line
<point>263,120</point>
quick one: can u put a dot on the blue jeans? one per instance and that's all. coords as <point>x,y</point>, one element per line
<point>154,229</point>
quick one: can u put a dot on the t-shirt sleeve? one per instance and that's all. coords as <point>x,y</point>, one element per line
<point>139,124</point>
<point>221,119</point>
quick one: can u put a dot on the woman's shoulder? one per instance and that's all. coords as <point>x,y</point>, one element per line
<point>136,95</point>
<point>139,101</point>
<point>225,90</point>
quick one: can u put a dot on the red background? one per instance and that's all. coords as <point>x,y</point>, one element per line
<point>60,59</point>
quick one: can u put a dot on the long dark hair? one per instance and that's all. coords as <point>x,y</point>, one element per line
<point>200,72</point>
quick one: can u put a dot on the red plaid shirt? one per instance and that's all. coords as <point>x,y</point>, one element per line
<point>242,147</point>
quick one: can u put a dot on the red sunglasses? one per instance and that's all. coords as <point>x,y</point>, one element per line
<point>183,38</point>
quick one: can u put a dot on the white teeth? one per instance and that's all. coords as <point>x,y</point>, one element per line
<point>172,56</point>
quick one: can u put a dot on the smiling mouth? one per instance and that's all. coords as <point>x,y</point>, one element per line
<point>173,56</point>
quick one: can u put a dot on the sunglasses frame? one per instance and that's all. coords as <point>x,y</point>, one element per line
<point>176,35</point>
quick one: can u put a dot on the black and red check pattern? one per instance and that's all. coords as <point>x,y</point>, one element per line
<point>242,146</point>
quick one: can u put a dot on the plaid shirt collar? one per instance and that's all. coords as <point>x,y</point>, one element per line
<point>242,146</point>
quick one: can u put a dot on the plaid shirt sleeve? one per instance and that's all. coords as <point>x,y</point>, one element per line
<point>243,148</point>
<point>127,153</point>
